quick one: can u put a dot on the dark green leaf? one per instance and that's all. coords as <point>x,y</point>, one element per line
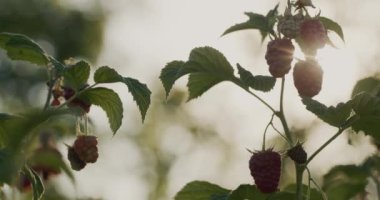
<point>370,85</point>
<point>201,190</point>
<point>109,101</point>
<point>271,18</point>
<point>76,76</point>
<point>207,67</point>
<point>20,47</point>
<point>37,185</point>
<point>345,181</point>
<point>169,74</point>
<point>141,94</point>
<point>333,26</point>
<point>367,108</point>
<point>247,192</point>
<point>261,83</point>
<point>314,193</point>
<point>335,116</point>
<point>106,74</point>
<point>255,21</point>
<point>9,165</point>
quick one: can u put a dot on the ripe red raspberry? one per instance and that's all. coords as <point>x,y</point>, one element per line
<point>312,35</point>
<point>85,147</point>
<point>76,102</point>
<point>307,76</point>
<point>279,56</point>
<point>55,102</point>
<point>297,154</point>
<point>75,162</point>
<point>265,167</point>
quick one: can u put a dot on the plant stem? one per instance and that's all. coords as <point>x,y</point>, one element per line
<point>281,114</point>
<point>76,95</point>
<point>299,176</point>
<point>51,82</point>
<point>349,122</point>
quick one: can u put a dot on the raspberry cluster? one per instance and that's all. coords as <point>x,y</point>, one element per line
<point>83,151</point>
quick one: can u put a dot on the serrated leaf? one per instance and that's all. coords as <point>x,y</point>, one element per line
<point>207,67</point>
<point>141,94</point>
<point>37,185</point>
<point>106,74</point>
<point>247,192</point>
<point>255,21</point>
<point>169,74</point>
<point>261,83</point>
<point>201,190</point>
<point>344,182</point>
<point>109,101</point>
<point>369,85</point>
<point>333,26</point>
<point>20,47</point>
<point>333,115</point>
<point>76,76</point>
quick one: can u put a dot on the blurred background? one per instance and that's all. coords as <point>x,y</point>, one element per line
<point>205,139</point>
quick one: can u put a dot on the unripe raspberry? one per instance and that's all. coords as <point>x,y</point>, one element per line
<point>265,167</point>
<point>75,162</point>
<point>279,56</point>
<point>312,35</point>
<point>85,147</point>
<point>308,76</point>
<point>289,25</point>
<point>297,154</point>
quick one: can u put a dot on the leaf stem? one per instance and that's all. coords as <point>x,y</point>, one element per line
<point>265,131</point>
<point>51,83</point>
<point>349,122</point>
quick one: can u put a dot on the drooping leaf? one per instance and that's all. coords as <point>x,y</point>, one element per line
<point>141,94</point>
<point>207,67</point>
<point>201,190</point>
<point>20,47</point>
<point>76,76</point>
<point>169,74</point>
<point>333,26</point>
<point>367,107</point>
<point>261,83</point>
<point>37,185</point>
<point>370,85</point>
<point>344,182</point>
<point>333,115</point>
<point>109,101</point>
<point>106,74</point>
<point>247,192</point>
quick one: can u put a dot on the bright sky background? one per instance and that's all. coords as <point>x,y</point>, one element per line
<point>142,36</point>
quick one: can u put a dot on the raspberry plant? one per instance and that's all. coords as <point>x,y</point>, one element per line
<point>295,27</point>
<point>69,92</point>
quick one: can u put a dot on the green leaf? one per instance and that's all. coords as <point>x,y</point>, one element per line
<point>9,165</point>
<point>20,47</point>
<point>247,192</point>
<point>207,67</point>
<point>333,115</point>
<point>344,182</point>
<point>169,74</point>
<point>333,26</point>
<point>367,108</point>
<point>201,190</point>
<point>76,76</point>
<point>261,83</point>
<point>370,85</point>
<point>109,101</point>
<point>141,94</point>
<point>37,185</point>
<point>314,194</point>
<point>106,74</point>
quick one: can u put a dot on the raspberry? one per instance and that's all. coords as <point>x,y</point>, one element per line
<point>265,167</point>
<point>312,35</point>
<point>75,162</point>
<point>55,102</point>
<point>45,161</point>
<point>297,154</point>
<point>307,76</point>
<point>279,56</point>
<point>76,102</point>
<point>85,147</point>
<point>23,183</point>
<point>289,25</point>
